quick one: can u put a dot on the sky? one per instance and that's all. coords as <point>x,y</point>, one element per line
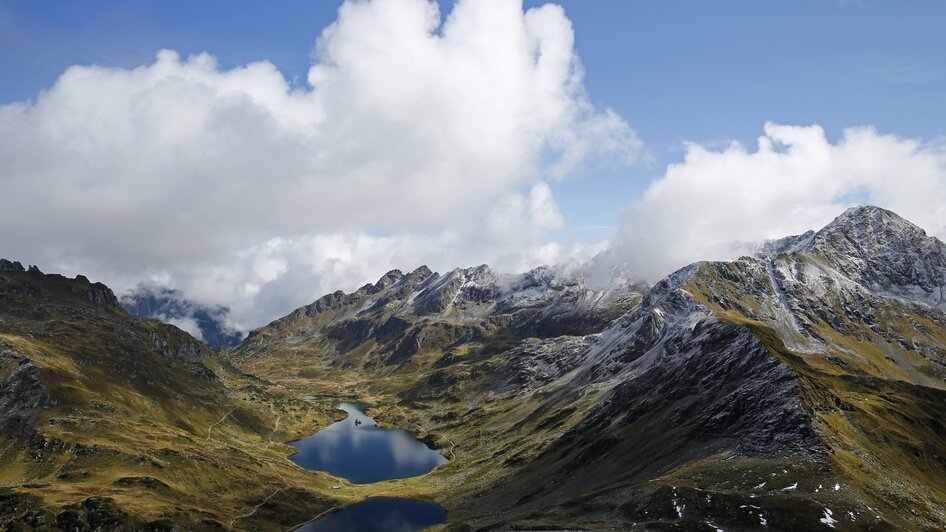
<point>258,155</point>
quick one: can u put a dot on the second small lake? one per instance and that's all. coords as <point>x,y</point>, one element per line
<point>380,514</point>
<point>356,449</point>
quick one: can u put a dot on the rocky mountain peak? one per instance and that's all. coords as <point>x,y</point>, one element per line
<point>481,275</point>
<point>388,279</point>
<point>11,266</point>
<point>16,266</point>
<point>885,253</point>
<point>410,282</point>
<point>474,273</point>
<point>41,285</point>
<point>877,249</point>
<point>422,272</point>
<point>869,227</point>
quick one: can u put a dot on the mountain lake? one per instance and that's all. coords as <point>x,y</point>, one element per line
<point>380,514</point>
<point>356,449</point>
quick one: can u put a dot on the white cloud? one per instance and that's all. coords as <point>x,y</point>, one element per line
<point>186,324</point>
<point>225,181</point>
<point>262,282</point>
<point>718,204</point>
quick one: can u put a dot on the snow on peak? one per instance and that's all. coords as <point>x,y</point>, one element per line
<point>885,253</point>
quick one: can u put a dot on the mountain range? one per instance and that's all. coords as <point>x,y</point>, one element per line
<point>799,388</point>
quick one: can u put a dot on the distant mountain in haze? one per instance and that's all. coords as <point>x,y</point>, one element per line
<point>204,322</point>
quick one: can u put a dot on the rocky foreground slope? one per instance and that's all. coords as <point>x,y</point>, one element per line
<point>799,389</point>
<point>109,421</point>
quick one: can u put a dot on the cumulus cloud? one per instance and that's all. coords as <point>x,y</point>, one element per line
<point>719,204</point>
<point>188,325</point>
<point>263,281</point>
<point>236,185</point>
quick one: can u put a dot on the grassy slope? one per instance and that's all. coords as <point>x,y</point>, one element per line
<point>876,404</point>
<point>141,416</point>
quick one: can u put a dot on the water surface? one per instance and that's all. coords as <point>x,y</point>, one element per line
<point>380,514</point>
<point>356,449</point>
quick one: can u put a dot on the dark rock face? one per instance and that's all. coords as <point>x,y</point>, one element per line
<point>40,285</point>
<point>402,315</point>
<point>97,292</point>
<point>22,394</point>
<point>95,513</point>
<point>8,266</point>
<point>180,346</point>
<point>675,369</point>
<point>350,334</point>
<point>535,362</point>
<point>722,383</point>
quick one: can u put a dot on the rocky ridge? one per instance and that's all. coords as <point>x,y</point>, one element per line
<point>402,318</point>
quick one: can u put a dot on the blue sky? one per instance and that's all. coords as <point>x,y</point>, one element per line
<point>702,71</point>
<point>216,180</point>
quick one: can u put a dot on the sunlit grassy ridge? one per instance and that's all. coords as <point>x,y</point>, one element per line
<point>875,401</point>
<point>112,420</point>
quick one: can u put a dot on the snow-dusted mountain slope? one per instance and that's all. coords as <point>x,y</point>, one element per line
<point>422,312</point>
<point>877,249</point>
<point>734,393</point>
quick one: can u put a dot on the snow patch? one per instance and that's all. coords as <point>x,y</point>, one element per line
<point>677,506</point>
<point>827,519</point>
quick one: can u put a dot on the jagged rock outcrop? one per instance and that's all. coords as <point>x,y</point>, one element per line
<point>8,266</point>
<point>402,316</point>
<point>22,394</point>
<point>36,284</point>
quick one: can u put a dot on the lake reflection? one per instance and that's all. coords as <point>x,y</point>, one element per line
<point>358,450</point>
<point>381,514</point>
